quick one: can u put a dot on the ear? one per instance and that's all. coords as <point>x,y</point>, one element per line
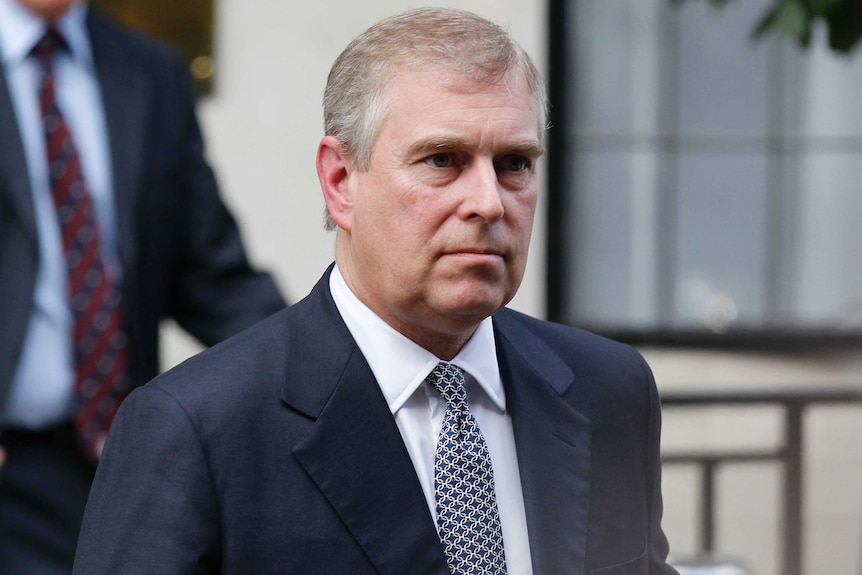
<point>334,166</point>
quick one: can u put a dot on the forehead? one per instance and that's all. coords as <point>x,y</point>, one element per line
<point>423,102</point>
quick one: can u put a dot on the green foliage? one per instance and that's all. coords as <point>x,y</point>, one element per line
<point>796,19</point>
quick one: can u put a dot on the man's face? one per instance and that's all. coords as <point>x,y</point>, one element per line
<point>441,219</point>
<point>50,10</point>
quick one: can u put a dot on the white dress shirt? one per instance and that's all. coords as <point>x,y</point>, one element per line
<point>44,378</point>
<point>401,366</point>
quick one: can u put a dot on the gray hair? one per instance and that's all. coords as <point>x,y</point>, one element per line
<point>354,102</point>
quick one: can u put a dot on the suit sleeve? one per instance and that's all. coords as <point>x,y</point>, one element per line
<point>657,541</point>
<point>152,508</point>
<point>216,291</point>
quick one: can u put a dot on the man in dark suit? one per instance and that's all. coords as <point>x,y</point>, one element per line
<point>399,419</point>
<point>163,241</point>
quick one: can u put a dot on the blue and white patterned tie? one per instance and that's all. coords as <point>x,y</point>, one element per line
<point>467,514</point>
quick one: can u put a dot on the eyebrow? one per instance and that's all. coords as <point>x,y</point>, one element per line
<point>530,148</point>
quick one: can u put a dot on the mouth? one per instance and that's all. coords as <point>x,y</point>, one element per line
<point>477,254</point>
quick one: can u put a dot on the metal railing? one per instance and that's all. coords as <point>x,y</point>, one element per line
<point>789,453</point>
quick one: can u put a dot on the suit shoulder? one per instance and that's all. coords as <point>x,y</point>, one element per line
<point>591,357</point>
<point>561,336</point>
<point>247,358</point>
<point>305,335</point>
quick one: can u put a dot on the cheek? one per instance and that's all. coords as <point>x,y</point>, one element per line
<point>423,218</point>
<point>521,211</point>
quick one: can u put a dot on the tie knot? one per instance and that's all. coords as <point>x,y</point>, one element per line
<point>449,381</point>
<point>48,44</point>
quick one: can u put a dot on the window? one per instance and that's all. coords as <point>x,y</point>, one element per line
<point>702,185</point>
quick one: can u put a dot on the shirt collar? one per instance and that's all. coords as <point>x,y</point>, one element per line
<point>400,365</point>
<point>20,29</point>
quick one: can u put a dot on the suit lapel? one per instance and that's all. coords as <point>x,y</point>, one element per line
<point>15,194</point>
<point>553,446</point>
<point>355,453</point>
<point>125,90</point>
<point>358,460</point>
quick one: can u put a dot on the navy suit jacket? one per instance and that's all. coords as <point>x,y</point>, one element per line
<point>275,452</point>
<point>180,248</point>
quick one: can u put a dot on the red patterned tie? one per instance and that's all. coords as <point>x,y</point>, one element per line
<point>100,347</point>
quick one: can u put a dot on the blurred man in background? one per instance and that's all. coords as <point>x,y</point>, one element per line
<point>110,222</point>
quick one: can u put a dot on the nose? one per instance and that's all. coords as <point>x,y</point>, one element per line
<point>483,199</point>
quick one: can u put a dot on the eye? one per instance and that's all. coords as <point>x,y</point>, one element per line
<point>514,163</point>
<point>443,160</point>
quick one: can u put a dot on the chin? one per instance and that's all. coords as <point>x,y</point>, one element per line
<point>478,309</point>
<point>471,296</point>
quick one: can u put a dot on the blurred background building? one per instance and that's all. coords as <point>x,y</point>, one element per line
<point>702,199</point>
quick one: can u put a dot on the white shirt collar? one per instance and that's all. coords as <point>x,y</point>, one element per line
<point>20,29</point>
<point>400,365</point>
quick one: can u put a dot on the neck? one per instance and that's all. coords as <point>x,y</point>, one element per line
<point>442,338</point>
<point>444,346</point>
<point>50,12</point>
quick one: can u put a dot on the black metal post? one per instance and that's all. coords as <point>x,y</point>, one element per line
<point>793,489</point>
<point>707,510</point>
